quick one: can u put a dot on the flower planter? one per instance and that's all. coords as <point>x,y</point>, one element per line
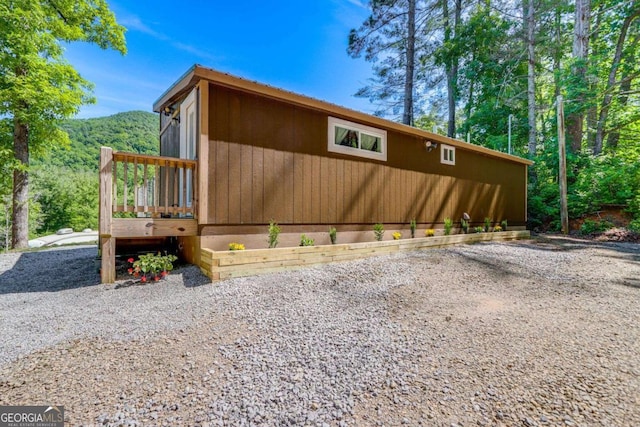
<point>219,265</point>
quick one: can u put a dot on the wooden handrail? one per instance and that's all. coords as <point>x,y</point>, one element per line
<point>150,185</point>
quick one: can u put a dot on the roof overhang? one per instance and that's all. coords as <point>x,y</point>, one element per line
<point>197,72</point>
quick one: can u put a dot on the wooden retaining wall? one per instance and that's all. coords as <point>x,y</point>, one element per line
<point>220,265</point>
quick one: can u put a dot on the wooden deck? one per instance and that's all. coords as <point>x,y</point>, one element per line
<point>143,196</point>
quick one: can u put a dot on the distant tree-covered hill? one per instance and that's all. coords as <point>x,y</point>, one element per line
<point>133,131</point>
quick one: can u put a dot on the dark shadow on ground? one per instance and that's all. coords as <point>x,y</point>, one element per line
<point>51,270</point>
<point>554,242</point>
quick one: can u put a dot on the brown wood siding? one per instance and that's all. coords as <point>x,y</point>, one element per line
<point>270,161</point>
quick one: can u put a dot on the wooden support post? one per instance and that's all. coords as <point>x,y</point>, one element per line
<point>107,243</point>
<point>562,167</point>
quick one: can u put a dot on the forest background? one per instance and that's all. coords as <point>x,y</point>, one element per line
<point>462,68</point>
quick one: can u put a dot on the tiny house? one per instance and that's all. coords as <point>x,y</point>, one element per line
<point>236,155</point>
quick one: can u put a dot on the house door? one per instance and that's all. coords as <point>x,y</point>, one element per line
<point>188,132</point>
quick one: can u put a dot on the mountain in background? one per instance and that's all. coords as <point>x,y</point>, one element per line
<point>133,131</point>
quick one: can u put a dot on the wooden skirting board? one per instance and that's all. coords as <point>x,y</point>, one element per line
<point>220,265</point>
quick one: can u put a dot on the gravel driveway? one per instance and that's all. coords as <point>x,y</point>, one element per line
<point>530,333</point>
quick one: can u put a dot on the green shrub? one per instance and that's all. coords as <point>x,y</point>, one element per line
<point>479,229</point>
<point>634,226</point>
<point>487,224</point>
<point>503,224</point>
<point>306,241</point>
<point>448,225</point>
<point>333,235</point>
<point>378,231</point>
<point>155,266</point>
<point>590,226</point>
<point>464,224</point>
<point>412,225</point>
<point>274,232</point>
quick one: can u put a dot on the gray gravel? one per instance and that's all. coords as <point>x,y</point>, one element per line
<point>525,333</point>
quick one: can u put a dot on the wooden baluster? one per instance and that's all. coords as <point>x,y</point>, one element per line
<point>125,165</point>
<point>146,189</point>
<point>166,186</point>
<point>185,185</point>
<point>136,202</point>
<point>156,187</point>
<point>114,207</point>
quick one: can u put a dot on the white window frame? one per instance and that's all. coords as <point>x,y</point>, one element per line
<point>449,159</point>
<point>368,130</point>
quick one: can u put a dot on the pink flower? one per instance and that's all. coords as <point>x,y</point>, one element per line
<point>130,271</point>
<point>143,279</point>
<point>156,278</point>
<point>130,260</point>
<point>164,273</point>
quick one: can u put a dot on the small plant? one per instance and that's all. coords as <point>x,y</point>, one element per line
<point>429,232</point>
<point>236,247</point>
<point>333,235</point>
<point>378,231</point>
<point>274,232</point>
<point>479,229</point>
<point>412,226</point>
<point>487,224</point>
<point>155,266</point>
<point>448,225</point>
<point>397,235</point>
<point>464,224</point>
<point>590,226</point>
<point>306,241</point>
<point>503,224</point>
<point>497,228</point>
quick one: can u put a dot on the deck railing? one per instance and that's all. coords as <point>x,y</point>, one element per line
<point>145,185</point>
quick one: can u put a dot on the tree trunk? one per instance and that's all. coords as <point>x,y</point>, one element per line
<point>20,215</point>
<point>575,121</point>
<point>531,78</point>
<point>407,116</point>
<point>451,64</point>
<point>611,81</point>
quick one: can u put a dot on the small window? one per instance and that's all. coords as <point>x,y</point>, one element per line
<point>356,139</point>
<point>448,155</point>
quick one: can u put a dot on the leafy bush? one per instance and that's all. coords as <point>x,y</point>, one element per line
<point>378,231</point>
<point>448,225</point>
<point>306,241</point>
<point>333,235</point>
<point>503,224</point>
<point>487,224</point>
<point>590,226</point>
<point>236,247</point>
<point>479,229</point>
<point>635,226</point>
<point>274,232</point>
<point>155,266</point>
<point>412,226</point>
<point>464,224</point>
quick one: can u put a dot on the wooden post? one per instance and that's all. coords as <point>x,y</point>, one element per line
<point>107,243</point>
<point>562,168</point>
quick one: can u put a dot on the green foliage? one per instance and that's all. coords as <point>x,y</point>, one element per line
<point>66,198</point>
<point>154,265</point>
<point>306,241</point>
<point>503,225</point>
<point>590,226</point>
<point>333,235</point>
<point>133,131</point>
<point>487,224</point>
<point>412,226</point>
<point>464,224</point>
<point>448,225</point>
<point>274,232</point>
<point>378,231</point>
<point>479,229</point>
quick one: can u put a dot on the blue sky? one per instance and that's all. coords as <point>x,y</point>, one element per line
<point>295,45</point>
